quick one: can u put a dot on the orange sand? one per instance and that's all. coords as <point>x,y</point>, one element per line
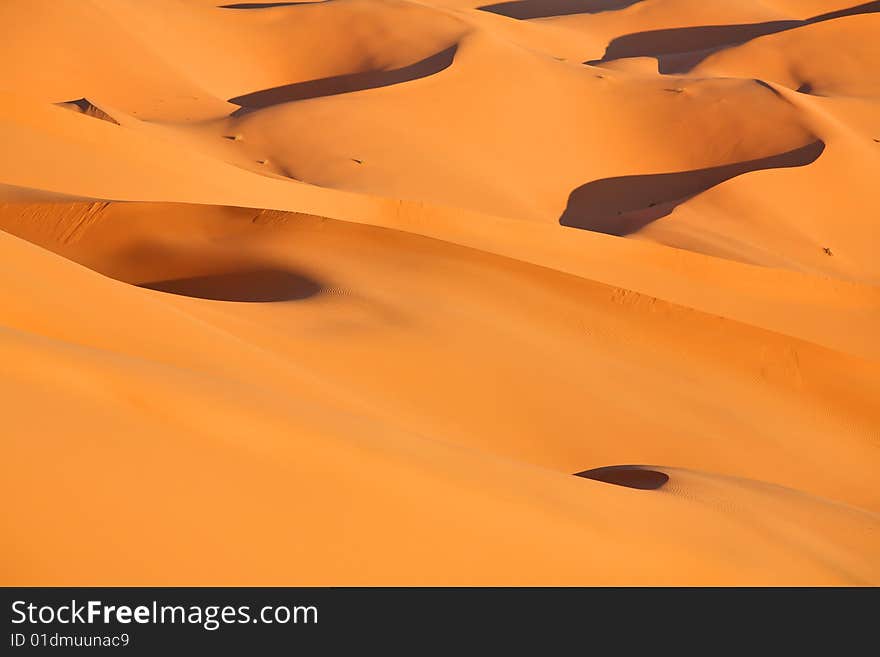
<point>347,292</point>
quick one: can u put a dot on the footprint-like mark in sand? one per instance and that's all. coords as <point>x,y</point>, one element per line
<point>630,476</point>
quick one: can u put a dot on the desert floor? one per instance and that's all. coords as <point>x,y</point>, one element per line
<point>347,292</point>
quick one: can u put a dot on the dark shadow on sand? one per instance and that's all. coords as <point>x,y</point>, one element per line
<point>268,5</point>
<point>526,9</point>
<point>341,84</point>
<point>623,205</point>
<point>678,50</point>
<point>254,285</point>
<point>630,476</point>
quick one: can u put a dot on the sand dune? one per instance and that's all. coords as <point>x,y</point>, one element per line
<point>447,292</point>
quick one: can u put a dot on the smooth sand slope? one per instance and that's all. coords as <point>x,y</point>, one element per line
<point>348,292</point>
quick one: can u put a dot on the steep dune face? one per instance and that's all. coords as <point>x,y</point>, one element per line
<point>362,346</point>
<point>171,60</point>
<point>350,291</point>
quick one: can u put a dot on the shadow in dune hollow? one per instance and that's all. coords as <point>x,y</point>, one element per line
<point>630,476</point>
<point>268,5</point>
